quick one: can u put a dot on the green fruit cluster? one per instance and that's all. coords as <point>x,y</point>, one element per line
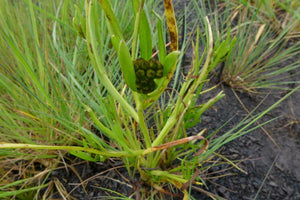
<point>146,72</point>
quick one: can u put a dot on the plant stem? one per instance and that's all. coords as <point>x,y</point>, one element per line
<point>72,148</point>
<point>168,126</point>
<point>135,32</point>
<point>141,121</point>
<point>98,64</point>
<point>112,90</point>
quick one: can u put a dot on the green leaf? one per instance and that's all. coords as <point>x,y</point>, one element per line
<point>114,27</point>
<point>144,30</point>
<point>83,155</point>
<point>79,22</point>
<point>161,42</point>
<point>170,62</point>
<point>17,192</point>
<point>76,18</point>
<point>127,65</point>
<point>145,37</point>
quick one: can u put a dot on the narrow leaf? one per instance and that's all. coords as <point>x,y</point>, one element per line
<point>170,62</point>
<point>144,29</point>
<point>127,65</point>
<point>145,36</point>
<point>171,23</point>
<point>83,155</point>
<point>161,42</point>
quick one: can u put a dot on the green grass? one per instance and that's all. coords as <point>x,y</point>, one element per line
<point>60,79</point>
<point>263,57</point>
<point>45,76</point>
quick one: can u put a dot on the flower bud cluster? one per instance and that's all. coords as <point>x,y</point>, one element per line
<point>146,72</point>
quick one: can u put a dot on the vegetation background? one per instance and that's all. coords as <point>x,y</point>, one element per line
<point>50,90</point>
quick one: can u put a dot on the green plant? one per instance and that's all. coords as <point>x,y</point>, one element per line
<point>43,79</point>
<point>144,153</point>
<point>50,102</point>
<point>128,126</point>
<point>281,15</point>
<point>260,59</point>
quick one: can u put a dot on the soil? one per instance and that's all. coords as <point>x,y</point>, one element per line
<point>272,167</point>
<point>273,171</point>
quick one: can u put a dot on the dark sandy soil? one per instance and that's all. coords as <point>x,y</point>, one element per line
<point>273,170</point>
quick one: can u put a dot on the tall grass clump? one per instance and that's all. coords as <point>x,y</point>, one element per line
<point>263,57</point>
<point>281,15</point>
<point>83,77</point>
<point>44,78</point>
